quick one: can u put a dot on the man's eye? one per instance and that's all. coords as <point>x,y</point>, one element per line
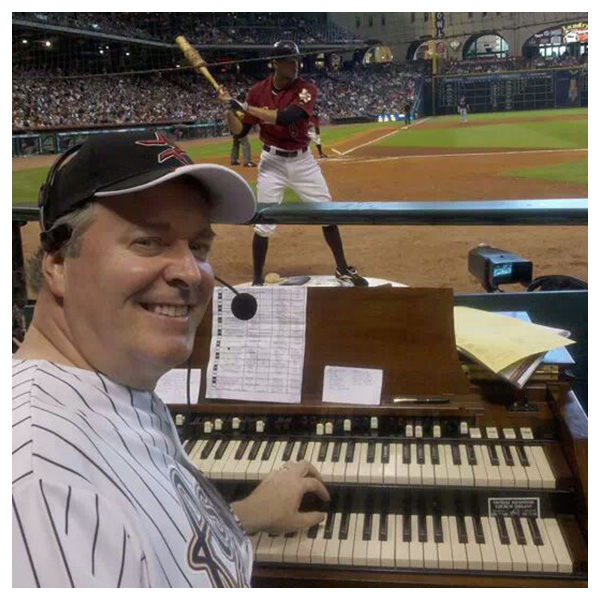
<point>201,248</point>
<point>148,242</point>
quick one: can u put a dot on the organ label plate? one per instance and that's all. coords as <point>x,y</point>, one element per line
<point>514,507</point>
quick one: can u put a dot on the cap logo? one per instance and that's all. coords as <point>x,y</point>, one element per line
<point>172,151</point>
<point>305,96</point>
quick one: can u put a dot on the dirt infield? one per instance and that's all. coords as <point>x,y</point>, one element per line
<point>418,256</point>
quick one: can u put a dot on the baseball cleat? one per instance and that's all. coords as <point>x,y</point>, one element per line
<point>235,163</point>
<point>250,164</point>
<point>349,275</point>
<point>323,156</point>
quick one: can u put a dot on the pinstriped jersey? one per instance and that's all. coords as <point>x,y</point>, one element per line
<point>104,495</point>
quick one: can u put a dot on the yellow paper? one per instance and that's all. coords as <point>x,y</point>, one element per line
<point>498,341</point>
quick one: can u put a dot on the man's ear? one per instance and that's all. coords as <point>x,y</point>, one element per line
<point>53,269</point>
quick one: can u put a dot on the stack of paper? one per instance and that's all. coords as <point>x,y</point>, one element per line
<point>509,347</point>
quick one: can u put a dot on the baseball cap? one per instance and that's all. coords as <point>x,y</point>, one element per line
<point>286,49</point>
<point>117,164</point>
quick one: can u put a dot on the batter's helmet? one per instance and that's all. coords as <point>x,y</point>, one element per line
<point>286,49</point>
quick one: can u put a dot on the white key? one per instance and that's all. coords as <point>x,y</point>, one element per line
<point>533,474</point>
<point>415,547</point>
<point>364,468</point>
<point>332,548</point>
<point>326,468</point>
<point>565,563</point>
<point>377,466</point>
<point>304,547</point>
<point>266,466</point>
<point>276,549</point>
<point>254,465</point>
<point>549,562</point>
<point>445,548</point>
<point>346,550</point>
<point>339,468</point>
<point>230,465</point>
<point>278,462</point>
<point>206,464</point>
<point>389,469</point>
<point>239,470</point>
<point>427,470</point>
<point>317,553</point>
<point>521,479</point>
<point>453,470</point>
<point>290,552</point>
<point>222,463</point>
<point>414,469</point>
<point>312,451</point>
<point>439,470</point>
<point>488,551</point>
<point>466,470</point>
<point>494,479</point>
<point>472,547</point>
<point>352,467</point>
<point>360,545</point>
<point>506,473</point>
<point>546,473</point>
<point>254,541</point>
<point>263,547</point>
<point>402,557</point>
<point>388,546</point>
<point>401,468</point>
<point>459,553</point>
<point>430,551</point>
<point>532,554</point>
<point>321,463</point>
<point>374,545</point>
<point>479,470</point>
<point>517,553</point>
<point>503,556</point>
<point>292,458</point>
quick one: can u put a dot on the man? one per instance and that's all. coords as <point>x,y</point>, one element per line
<point>241,140</point>
<point>103,493</point>
<point>407,111</point>
<point>282,105</point>
<point>314,133</point>
<point>463,108</point>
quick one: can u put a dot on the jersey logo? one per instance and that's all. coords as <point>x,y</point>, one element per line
<point>305,96</point>
<point>172,152</point>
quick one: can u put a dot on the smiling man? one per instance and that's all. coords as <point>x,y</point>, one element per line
<point>103,493</point>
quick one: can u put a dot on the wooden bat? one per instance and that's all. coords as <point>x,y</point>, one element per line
<point>195,60</point>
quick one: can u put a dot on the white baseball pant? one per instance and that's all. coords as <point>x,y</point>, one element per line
<point>301,173</point>
<point>314,137</point>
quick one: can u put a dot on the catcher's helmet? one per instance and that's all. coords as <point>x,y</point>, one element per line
<point>286,49</point>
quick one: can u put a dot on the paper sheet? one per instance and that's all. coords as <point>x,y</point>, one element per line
<point>171,388</point>
<point>347,385</point>
<point>498,341</point>
<point>262,359</point>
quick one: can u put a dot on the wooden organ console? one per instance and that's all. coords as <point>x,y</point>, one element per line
<point>416,489</point>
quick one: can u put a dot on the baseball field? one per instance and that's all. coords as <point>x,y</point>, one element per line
<point>499,156</point>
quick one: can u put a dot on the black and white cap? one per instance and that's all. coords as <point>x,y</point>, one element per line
<point>117,164</point>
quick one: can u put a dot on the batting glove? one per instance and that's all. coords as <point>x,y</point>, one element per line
<point>238,106</point>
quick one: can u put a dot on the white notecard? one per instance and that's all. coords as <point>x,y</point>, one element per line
<point>348,385</point>
<point>171,388</point>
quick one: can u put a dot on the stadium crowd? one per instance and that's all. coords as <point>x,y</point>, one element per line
<point>511,63</point>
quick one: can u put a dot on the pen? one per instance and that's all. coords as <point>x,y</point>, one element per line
<point>421,400</point>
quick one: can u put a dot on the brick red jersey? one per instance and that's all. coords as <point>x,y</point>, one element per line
<point>300,93</point>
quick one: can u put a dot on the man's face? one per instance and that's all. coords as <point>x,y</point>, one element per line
<point>139,287</point>
<point>288,68</point>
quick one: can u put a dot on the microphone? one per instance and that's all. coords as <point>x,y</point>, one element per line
<point>244,305</point>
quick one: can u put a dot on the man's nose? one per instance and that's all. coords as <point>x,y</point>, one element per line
<point>183,269</point>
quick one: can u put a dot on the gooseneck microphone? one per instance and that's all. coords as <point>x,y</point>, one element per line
<point>244,305</point>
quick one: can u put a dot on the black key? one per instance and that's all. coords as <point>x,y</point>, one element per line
<point>268,450</point>
<point>521,540</point>
<point>522,456</point>
<point>461,526</point>
<point>207,448</point>
<point>535,532</point>
<point>406,527</point>
<point>290,534</point>
<point>504,539</point>
<point>239,453</point>
<point>368,527</point>
<point>471,458</point>
<point>455,454</point>
<point>287,452</point>
<point>493,456</point>
<point>302,450</point>
<point>435,454</point>
<point>344,525</point>
<point>221,449</point>
<point>508,457</point>
<point>383,527</point>
<point>422,527</point>
<point>188,446</point>
<point>438,531</point>
<point>385,453</point>
<point>420,454</point>
<point>322,451</point>
<point>329,524</point>
<point>479,536</point>
<point>406,454</point>
<point>371,452</point>
<point>336,452</point>
<point>254,449</point>
<point>312,532</point>
<point>350,452</point>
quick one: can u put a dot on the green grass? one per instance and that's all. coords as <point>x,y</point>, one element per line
<point>519,114</point>
<point>572,172</point>
<point>26,185</point>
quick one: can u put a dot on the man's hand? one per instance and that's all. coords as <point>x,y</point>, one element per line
<point>274,505</point>
<point>224,95</point>
<point>238,106</point>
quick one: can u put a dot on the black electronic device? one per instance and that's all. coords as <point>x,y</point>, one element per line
<point>493,267</point>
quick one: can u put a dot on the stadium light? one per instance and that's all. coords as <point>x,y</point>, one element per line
<point>101,51</point>
<point>48,44</point>
<point>127,54</point>
<point>25,42</point>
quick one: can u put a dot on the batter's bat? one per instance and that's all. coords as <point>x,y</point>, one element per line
<point>193,57</point>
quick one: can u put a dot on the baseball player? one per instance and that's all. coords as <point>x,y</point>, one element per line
<point>103,494</point>
<point>314,133</point>
<point>244,142</point>
<point>463,108</point>
<point>282,105</point>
